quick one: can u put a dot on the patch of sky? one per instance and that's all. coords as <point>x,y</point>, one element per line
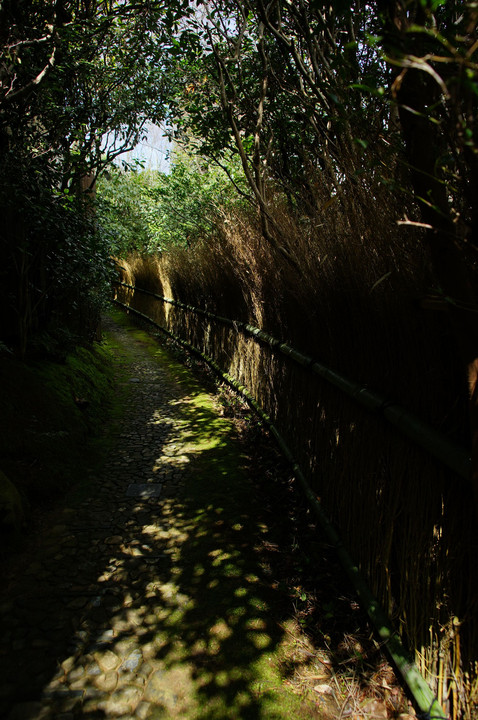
<point>153,151</point>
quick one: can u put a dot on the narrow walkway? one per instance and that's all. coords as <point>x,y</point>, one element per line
<point>151,598</point>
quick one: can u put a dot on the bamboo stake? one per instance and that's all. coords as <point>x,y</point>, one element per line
<point>457,666</point>
<point>441,674</point>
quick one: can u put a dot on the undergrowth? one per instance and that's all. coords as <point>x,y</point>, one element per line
<point>53,436</point>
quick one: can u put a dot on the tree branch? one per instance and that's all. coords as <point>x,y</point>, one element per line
<point>19,94</point>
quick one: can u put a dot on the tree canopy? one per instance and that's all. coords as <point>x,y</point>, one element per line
<point>78,81</point>
<point>320,102</point>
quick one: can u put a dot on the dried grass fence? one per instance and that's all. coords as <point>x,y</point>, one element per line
<point>403,509</point>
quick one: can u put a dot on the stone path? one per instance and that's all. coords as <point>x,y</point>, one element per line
<point>143,601</point>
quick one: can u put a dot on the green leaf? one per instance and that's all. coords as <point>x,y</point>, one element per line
<point>363,143</point>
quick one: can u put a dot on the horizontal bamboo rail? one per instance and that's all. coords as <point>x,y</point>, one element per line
<point>437,444</point>
<point>426,701</point>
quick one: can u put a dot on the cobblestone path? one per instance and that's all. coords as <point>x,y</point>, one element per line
<point>146,600</point>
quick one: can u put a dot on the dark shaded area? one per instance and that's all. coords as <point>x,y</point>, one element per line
<point>52,415</point>
<point>180,581</point>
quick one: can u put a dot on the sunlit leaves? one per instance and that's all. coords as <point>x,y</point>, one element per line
<point>151,211</point>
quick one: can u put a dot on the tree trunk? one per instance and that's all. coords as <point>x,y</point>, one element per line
<point>417,93</point>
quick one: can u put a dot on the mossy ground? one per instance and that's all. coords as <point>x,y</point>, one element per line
<point>53,416</point>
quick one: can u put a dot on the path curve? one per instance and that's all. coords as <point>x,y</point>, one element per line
<point>147,600</point>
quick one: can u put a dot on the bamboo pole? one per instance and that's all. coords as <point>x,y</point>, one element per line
<point>424,698</point>
<point>434,442</point>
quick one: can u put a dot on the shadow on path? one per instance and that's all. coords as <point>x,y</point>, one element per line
<point>154,597</point>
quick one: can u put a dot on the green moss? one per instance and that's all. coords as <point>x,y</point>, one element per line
<point>82,384</point>
<point>12,507</point>
<point>50,412</point>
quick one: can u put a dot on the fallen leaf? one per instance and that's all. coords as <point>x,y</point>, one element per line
<point>375,709</point>
<point>323,689</point>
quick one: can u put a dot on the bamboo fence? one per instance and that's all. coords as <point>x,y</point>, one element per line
<point>441,658</point>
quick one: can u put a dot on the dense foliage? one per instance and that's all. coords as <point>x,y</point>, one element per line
<point>354,94</point>
<point>317,101</point>
<point>78,80</point>
<point>150,211</point>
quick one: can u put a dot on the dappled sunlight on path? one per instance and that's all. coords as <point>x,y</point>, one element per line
<point>152,597</point>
